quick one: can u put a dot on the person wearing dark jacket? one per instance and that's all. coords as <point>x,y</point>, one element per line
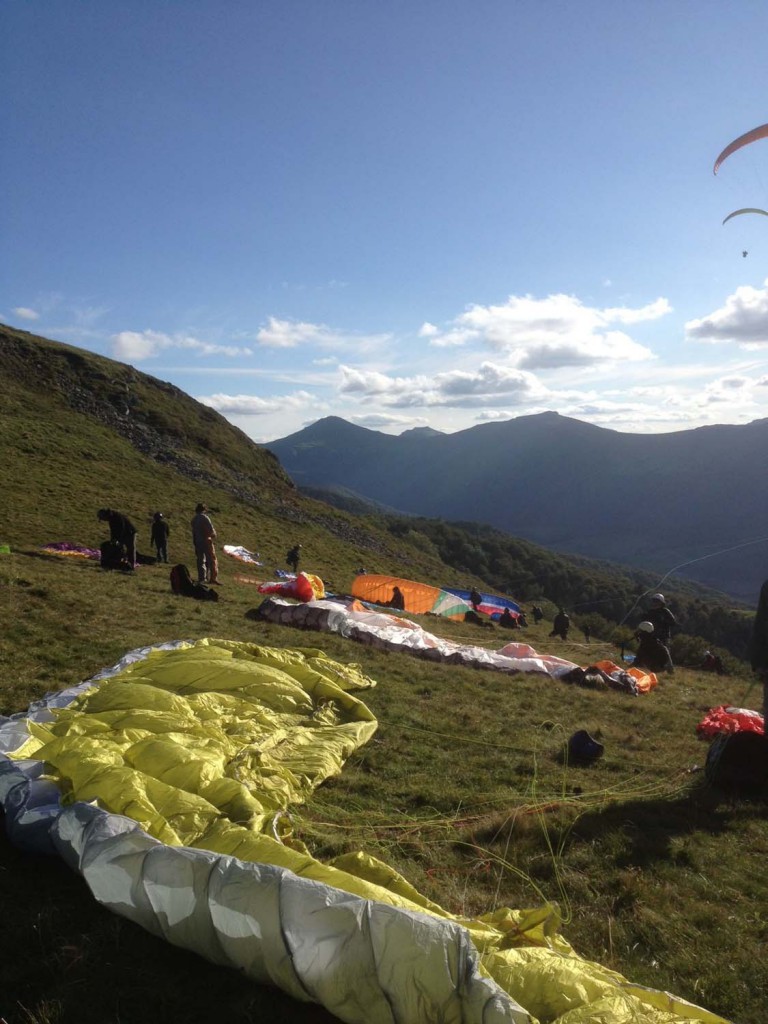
<point>121,531</point>
<point>507,620</point>
<point>292,557</point>
<point>758,644</point>
<point>661,618</point>
<point>159,536</point>
<point>475,598</point>
<point>561,624</point>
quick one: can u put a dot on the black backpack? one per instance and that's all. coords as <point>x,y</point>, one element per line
<point>738,760</point>
<point>182,583</point>
<point>112,556</point>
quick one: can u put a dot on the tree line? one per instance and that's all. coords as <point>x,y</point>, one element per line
<point>607,598</point>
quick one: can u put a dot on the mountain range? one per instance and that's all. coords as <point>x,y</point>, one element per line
<point>693,501</point>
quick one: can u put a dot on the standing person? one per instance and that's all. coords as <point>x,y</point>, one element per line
<point>203,537</point>
<point>475,599</point>
<point>537,613</point>
<point>758,644</point>
<point>397,600</point>
<point>561,624</point>
<point>292,557</point>
<point>662,620</point>
<point>587,633</point>
<point>159,536</point>
<point>121,531</point>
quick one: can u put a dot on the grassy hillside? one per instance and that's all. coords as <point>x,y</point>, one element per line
<point>463,788</point>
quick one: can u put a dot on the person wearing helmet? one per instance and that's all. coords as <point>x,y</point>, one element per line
<point>661,618</point>
<point>651,652</point>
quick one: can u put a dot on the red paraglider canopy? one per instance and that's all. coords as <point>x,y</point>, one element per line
<point>743,140</point>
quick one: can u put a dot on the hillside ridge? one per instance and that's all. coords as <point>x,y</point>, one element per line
<point>652,501</point>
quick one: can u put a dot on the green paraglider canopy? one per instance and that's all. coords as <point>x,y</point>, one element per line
<point>746,209</point>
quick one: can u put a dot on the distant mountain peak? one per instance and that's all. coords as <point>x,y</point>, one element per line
<point>422,432</point>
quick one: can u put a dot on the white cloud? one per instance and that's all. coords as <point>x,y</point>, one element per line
<point>494,415</point>
<point>742,319</point>
<point>428,330</point>
<point>371,382</point>
<point>25,313</point>
<point>456,388</point>
<point>623,315</point>
<point>377,421</point>
<point>253,405</point>
<point>139,345</point>
<point>552,332</point>
<point>454,338</point>
<point>135,346</point>
<point>291,333</point>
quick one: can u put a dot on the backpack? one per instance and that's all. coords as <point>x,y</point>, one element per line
<point>112,556</point>
<point>738,760</point>
<point>182,583</point>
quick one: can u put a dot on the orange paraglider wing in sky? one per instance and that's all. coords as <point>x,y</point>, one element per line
<point>743,140</point>
<point>746,209</point>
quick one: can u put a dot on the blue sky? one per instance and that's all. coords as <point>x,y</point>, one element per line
<point>402,212</point>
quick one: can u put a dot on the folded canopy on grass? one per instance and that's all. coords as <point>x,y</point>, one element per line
<point>201,745</point>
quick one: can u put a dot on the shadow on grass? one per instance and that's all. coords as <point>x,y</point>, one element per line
<point>648,827</point>
<point>64,959</point>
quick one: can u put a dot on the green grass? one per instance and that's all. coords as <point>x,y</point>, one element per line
<point>464,788</point>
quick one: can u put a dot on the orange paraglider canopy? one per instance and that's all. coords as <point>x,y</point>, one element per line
<point>743,140</point>
<point>417,598</point>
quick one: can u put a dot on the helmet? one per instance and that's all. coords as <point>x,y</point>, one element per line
<point>660,598</point>
<point>645,627</point>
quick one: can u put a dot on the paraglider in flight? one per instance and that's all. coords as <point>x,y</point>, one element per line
<point>743,140</point>
<point>745,253</point>
<point>746,209</point>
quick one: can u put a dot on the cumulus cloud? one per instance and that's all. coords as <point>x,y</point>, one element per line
<point>25,313</point>
<point>377,421</point>
<point>624,315</point>
<point>493,415</point>
<point>136,346</point>
<point>552,332</point>
<point>735,390</point>
<point>486,386</point>
<point>253,405</point>
<point>742,319</point>
<point>292,333</point>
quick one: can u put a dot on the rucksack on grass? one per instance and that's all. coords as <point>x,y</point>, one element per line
<point>738,760</point>
<point>182,583</point>
<point>113,556</point>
